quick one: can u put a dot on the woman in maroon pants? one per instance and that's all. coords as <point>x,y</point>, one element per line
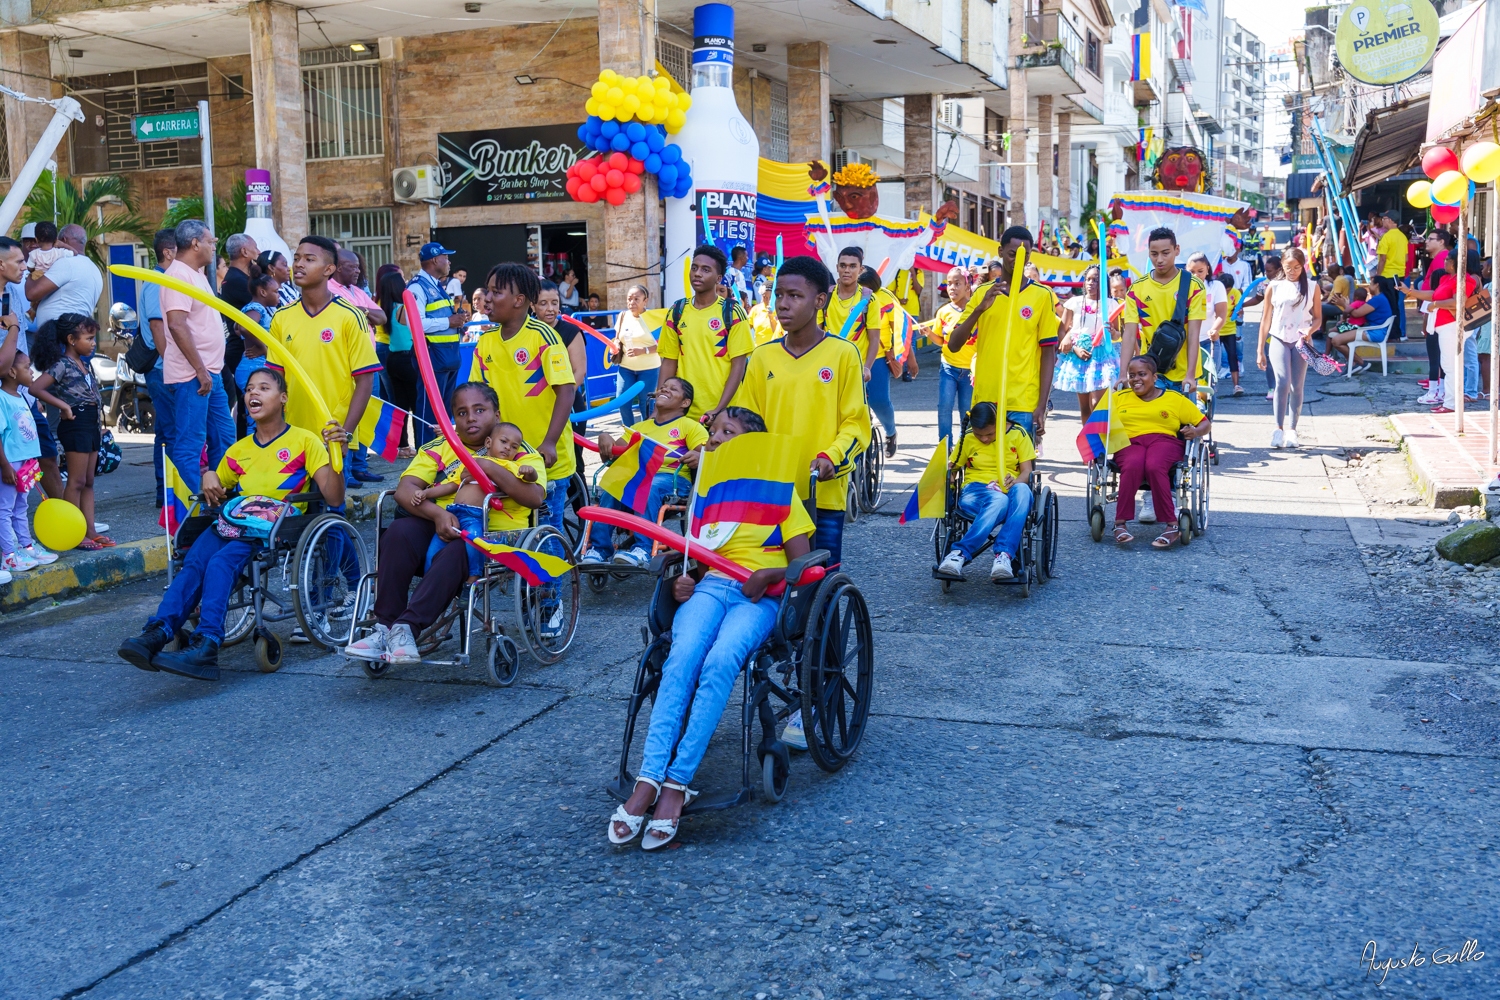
<point>1158,421</point>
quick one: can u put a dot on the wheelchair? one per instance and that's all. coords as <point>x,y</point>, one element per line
<point>480,606</point>
<point>674,508</point>
<point>1038,552</point>
<point>867,478</point>
<point>819,660</point>
<point>300,572</point>
<point>1190,490</point>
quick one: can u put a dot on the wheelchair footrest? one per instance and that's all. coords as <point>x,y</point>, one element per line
<point>714,803</point>
<point>950,577</point>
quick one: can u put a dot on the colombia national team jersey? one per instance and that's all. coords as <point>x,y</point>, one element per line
<point>851,319</point>
<point>683,432</point>
<point>332,347</point>
<point>1037,329</point>
<point>818,400</point>
<point>1166,414</point>
<point>981,462</point>
<point>759,546</point>
<point>524,371</point>
<point>703,348</point>
<point>947,318</point>
<point>282,466</point>
<point>1151,303</point>
<point>437,463</point>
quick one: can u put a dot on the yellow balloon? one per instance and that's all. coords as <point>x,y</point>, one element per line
<point>608,75</point>
<point>624,114</point>
<point>631,103</point>
<point>644,90</point>
<point>591,107</point>
<point>1450,187</point>
<point>1420,194</point>
<point>675,121</point>
<point>662,83</point>
<point>684,101</point>
<point>1481,162</point>
<point>58,525</point>
<point>599,89</point>
<point>614,95</point>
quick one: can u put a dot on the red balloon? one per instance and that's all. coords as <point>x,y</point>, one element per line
<point>614,178</point>
<point>587,168</point>
<point>598,183</point>
<point>632,183</point>
<point>587,194</point>
<point>615,196</point>
<point>636,166</point>
<point>1445,213</point>
<point>1437,160</point>
<point>619,161</point>
<point>573,185</point>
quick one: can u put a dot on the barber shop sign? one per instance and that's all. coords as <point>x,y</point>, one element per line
<point>506,165</point>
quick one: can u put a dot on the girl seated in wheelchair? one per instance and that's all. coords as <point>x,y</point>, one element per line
<point>273,462</point>
<point>993,499</point>
<point>502,450</point>
<point>669,425</point>
<point>717,626</point>
<point>1158,423</point>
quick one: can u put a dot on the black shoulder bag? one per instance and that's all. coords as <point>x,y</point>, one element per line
<point>1167,341</point>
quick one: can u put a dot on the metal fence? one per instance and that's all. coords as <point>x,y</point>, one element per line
<point>341,103</point>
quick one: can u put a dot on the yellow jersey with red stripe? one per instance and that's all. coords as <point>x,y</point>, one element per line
<point>1037,329</point>
<point>681,434</point>
<point>437,463</point>
<point>525,371</point>
<point>333,347</point>
<point>1151,303</point>
<point>852,319</point>
<point>947,318</point>
<point>704,345</point>
<point>282,466</point>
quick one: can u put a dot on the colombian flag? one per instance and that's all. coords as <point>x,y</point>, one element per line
<point>382,428</point>
<point>930,498</point>
<point>628,478</point>
<point>179,500</point>
<point>536,568</point>
<point>747,480</point>
<point>1098,437</point>
<point>1140,56</point>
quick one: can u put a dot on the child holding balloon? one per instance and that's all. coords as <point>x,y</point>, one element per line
<point>20,451</point>
<point>67,382</point>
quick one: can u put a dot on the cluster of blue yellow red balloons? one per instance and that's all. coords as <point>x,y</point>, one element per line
<point>1452,183</point>
<point>645,143</point>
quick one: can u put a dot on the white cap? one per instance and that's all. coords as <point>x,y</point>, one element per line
<point>28,231</point>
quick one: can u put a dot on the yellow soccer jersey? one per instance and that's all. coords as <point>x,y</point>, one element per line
<point>703,348</point>
<point>947,318</point>
<point>981,462</point>
<point>1230,327</point>
<point>332,347</point>
<point>437,463</point>
<point>817,399</point>
<point>848,320</point>
<point>1151,303</point>
<point>764,325</point>
<point>282,466</point>
<point>683,431</point>
<point>1038,329</point>
<point>523,371</point>
<point>1166,414</point>
<point>758,546</point>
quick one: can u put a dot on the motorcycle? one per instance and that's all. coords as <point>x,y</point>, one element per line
<point>125,399</point>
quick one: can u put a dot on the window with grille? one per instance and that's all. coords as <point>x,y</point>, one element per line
<point>678,60</point>
<point>781,129</point>
<point>104,141</point>
<point>365,231</point>
<point>341,102</point>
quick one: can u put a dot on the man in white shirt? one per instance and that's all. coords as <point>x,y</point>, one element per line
<point>455,285</point>
<point>71,285</point>
<point>1237,269</point>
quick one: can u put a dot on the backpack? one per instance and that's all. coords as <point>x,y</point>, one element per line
<point>251,517</point>
<point>1167,341</point>
<point>725,304</point>
<point>141,357</point>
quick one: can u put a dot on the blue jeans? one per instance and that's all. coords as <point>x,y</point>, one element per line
<point>470,519</point>
<point>989,509</point>
<point>358,462</point>
<point>878,392</point>
<point>1024,419</point>
<point>955,385</point>
<point>162,404</point>
<point>601,535</point>
<point>1471,364</point>
<point>713,634</point>
<point>647,404</point>
<point>829,534</point>
<point>196,419</point>
<point>205,581</point>
<point>557,500</point>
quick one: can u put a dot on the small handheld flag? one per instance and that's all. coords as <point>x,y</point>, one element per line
<point>382,428</point>
<point>628,478</point>
<point>930,498</point>
<point>179,499</point>
<point>747,480</point>
<point>536,568</point>
<point>1101,435</point>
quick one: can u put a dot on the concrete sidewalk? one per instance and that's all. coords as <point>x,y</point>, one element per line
<point>1452,469</point>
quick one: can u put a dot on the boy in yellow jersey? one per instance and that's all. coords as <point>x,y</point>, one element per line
<point>763,323</point>
<point>525,362</point>
<point>1033,346</point>
<point>955,376</point>
<point>989,508</point>
<point>1153,301</point>
<point>878,360</point>
<point>809,385</point>
<point>1229,333</point>
<point>275,460</point>
<point>670,425</point>
<point>852,313</point>
<point>706,338</point>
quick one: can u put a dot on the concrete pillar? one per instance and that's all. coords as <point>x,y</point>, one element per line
<point>632,231</point>
<point>280,132</point>
<point>807,102</point>
<point>26,66</point>
<point>923,192</point>
<point>1046,176</point>
<point>1064,164</point>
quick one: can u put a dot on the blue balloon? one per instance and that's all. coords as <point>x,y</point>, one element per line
<point>583,135</point>
<point>683,189</point>
<point>621,142</point>
<point>667,176</point>
<point>656,139</point>
<point>636,131</point>
<point>609,129</point>
<point>593,123</point>
<point>639,151</point>
<point>671,153</point>
<point>653,163</point>
<point>601,144</point>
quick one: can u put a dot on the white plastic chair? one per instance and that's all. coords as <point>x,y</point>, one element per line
<point>1362,339</point>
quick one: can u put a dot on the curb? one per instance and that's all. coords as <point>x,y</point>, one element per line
<point>79,572</point>
<point>1446,480</point>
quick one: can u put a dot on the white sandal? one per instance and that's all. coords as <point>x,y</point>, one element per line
<point>666,829</point>
<point>633,822</point>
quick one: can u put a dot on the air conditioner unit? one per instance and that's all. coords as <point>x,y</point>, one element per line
<point>843,157</point>
<point>416,184</point>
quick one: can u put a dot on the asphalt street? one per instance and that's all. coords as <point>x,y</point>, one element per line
<point>1237,769</point>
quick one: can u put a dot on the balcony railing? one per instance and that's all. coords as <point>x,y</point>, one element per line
<point>1060,58</point>
<point>1051,29</point>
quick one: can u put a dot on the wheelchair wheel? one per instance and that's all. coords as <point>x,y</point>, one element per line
<point>330,559</point>
<point>375,669</point>
<point>239,620</point>
<point>597,581</point>
<point>1185,526</point>
<point>851,498</point>
<point>268,654</point>
<point>503,660</point>
<point>1201,478</point>
<point>574,529</point>
<point>1096,524</point>
<point>774,777</point>
<point>1047,534</point>
<point>871,474</point>
<point>837,672</point>
<point>548,614</point>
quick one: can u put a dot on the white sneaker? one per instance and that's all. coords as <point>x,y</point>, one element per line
<point>1277,438</point>
<point>17,562</point>
<point>1431,397</point>
<point>1001,570</point>
<point>401,646</point>
<point>298,636</point>
<point>1147,509</point>
<point>635,556</point>
<point>952,564</point>
<point>792,735</point>
<point>371,647</point>
<point>1271,395</point>
<point>41,555</point>
<point>1290,439</point>
<point>4,576</point>
<point>593,557</point>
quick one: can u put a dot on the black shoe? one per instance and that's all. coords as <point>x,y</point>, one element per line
<point>139,650</point>
<point>199,661</point>
<point>907,377</point>
<point>366,476</point>
<point>890,446</point>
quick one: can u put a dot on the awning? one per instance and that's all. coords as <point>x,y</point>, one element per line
<point>1389,142</point>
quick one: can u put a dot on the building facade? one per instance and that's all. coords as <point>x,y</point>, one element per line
<point>1242,97</point>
